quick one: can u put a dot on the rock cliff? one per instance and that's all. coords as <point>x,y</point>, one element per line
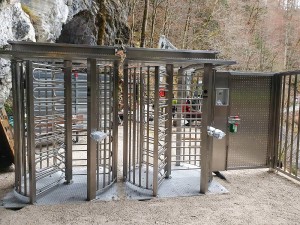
<point>65,21</point>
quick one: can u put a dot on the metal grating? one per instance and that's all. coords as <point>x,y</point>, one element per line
<point>250,99</point>
<point>187,117</point>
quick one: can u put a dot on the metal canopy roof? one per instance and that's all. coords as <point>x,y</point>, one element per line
<point>32,50</point>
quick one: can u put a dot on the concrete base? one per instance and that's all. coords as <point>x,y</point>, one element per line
<point>181,183</point>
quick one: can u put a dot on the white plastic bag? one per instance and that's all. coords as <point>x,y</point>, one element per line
<point>98,136</point>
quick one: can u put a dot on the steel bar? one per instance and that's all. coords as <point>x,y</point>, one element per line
<point>68,118</point>
<point>281,120</point>
<point>206,143</point>
<point>16,80</point>
<point>293,120</point>
<point>287,123</point>
<point>156,130</point>
<point>125,122</point>
<point>134,125</point>
<point>142,124</point>
<point>91,126</point>
<point>179,115</point>
<point>30,131</point>
<point>148,125</point>
<point>115,119</point>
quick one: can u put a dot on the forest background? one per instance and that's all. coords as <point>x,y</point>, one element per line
<point>261,35</point>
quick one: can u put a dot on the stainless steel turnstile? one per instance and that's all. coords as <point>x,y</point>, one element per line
<point>63,94</point>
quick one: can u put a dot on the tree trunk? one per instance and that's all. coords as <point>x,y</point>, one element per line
<point>166,18</point>
<point>144,24</point>
<point>153,18</point>
<point>101,20</point>
<point>133,22</point>
<point>187,25</point>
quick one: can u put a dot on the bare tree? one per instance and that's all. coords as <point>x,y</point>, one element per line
<point>144,24</point>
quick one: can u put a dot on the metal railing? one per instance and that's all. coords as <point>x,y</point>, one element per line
<point>287,158</point>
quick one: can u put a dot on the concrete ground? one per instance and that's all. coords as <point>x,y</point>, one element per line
<point>255,197</point>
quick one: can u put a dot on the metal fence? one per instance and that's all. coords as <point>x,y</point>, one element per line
<point>287,157</point>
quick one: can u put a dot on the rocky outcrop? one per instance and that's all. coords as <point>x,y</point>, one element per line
<point>114,13</point>
<point>80,29</point>
<point>48,17</point>
<point>66,21</point>
<point>15,26</point>
<point>109,16</point>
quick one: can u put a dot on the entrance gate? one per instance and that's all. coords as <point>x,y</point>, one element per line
<point>65,95</point>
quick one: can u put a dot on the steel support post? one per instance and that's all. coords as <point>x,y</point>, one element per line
<point>125,121</point>
<point>68,119</point>
<point>16,82</point>
<point>207,117</point>
<point>168,154</point>
<point>156,129</point>
<point>115,118</point>
<point>30,130</point>
<point>179,115</point>
<point>142,124</point>
<point>275,122</point>
<point>91,126</point>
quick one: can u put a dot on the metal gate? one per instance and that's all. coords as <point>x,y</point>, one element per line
<point>58,105</point>
<point>146,121</point>
<point>66,95</point>
<point>250,99</point>
<point>187,116</point>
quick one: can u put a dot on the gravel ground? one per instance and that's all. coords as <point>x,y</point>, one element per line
<point>255,197</point>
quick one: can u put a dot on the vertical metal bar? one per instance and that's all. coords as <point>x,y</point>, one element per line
<point>130,119</point>
<point>22,128</point>
<point>298,137</point>
<point>293,120</point>
<point>99,126</point>
<point>125,121</point>
<point>277,98</point>
<point>30,131</point>
<point>105,124</point>
<point>115,119</point>
<point>16,80</point>
<point>142,124</point>
<point>134,147</point>
<point>287,124</point>
<point>68,118</point>
<point>168,154</point>
<point>179,116</point>
<point>91,126</point>
<point>148,127</point>
<point>272,112</point>
<point>110,122</point>
<point>156,129</point>
<point>281,120</point>
<point>206,143</point>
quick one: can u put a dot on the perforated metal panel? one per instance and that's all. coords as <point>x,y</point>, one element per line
<point>250,99</point>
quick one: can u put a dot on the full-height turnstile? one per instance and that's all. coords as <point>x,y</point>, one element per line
<point>62,94</point>
<point>65,93</point>
<point>167,108</point>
